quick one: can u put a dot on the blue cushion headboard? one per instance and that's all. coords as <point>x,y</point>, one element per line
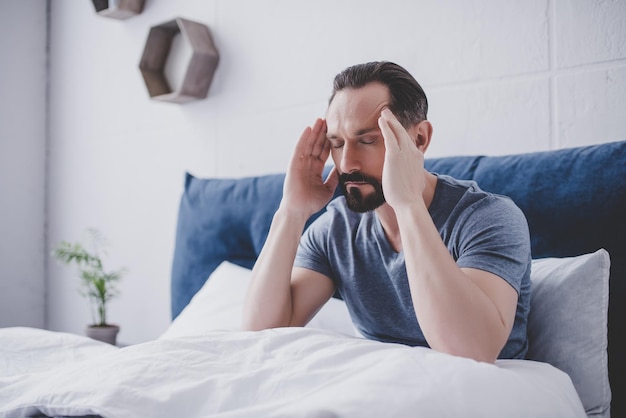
<point>574,200</point>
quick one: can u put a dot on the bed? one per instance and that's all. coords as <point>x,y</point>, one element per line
<point>203,366</point>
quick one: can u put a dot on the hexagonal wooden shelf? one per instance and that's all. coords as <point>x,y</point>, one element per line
<point>199,70</point>
<point>118,9</point>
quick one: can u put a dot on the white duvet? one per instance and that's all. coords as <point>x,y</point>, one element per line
<point>288,372</point>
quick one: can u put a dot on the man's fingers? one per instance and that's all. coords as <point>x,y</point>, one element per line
<point>325,149</point>
<point>312,140</point>
<point>391,142</point>
<point>302,144</point>
<point>309,142</point>
<point>319,138</point>
<point>400,134</point>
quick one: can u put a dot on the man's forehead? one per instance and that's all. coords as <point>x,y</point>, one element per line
<point>353,107</point>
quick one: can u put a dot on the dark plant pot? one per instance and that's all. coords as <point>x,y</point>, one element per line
<point>104,333</point>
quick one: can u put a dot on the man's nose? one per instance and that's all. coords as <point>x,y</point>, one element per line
<point>349,160</point>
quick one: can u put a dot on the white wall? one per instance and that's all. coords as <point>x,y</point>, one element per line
<point>22,162</point>
<point>502,77</point>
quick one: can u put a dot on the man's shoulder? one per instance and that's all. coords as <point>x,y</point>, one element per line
<point>452,195</point>
<point>463,199</point>
<point>469,192</point>
<point>449,184</point>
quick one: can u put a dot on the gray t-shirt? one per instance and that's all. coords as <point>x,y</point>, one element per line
<point>481,230</point>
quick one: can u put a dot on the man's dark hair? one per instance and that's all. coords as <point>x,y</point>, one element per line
<point>408,100</point>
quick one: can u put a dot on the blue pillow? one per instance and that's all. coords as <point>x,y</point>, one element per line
<point>219,219</point>
<point>222,219</point>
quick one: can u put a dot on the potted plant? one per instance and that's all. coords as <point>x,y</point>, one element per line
<point>98,285</point>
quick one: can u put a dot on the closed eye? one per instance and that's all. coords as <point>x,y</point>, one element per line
<point>369,140</point>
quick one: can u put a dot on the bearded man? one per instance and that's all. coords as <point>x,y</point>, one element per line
<point>419,258</point>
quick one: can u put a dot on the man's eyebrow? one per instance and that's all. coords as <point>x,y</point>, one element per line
<point>360,132</point>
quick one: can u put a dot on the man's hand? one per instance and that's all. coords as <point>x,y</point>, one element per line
<point>403,172</point>
<point>278,294</point>
<point>305,191</point>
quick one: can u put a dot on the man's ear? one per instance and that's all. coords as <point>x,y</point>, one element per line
<point>421,134</point>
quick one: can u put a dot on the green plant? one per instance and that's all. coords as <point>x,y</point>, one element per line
<point>97,284</point>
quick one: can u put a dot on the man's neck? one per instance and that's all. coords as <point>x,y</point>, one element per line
<point>388,219</point>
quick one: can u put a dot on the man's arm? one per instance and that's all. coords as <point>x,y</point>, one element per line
<point>466,312</point>
<point>462,311</point>
<point>280,295</point>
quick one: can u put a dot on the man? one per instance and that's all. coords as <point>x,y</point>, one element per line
<point>419,258</point>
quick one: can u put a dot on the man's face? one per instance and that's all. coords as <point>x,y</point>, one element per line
<point>358,147</point>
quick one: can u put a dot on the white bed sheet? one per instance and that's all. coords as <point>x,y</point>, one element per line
<point>288,372</point>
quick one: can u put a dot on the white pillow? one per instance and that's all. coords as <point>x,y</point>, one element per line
<point>218,306</point>
<point>567,324</point>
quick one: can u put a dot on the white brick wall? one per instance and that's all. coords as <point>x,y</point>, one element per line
<point>589,32</point>
<point>589,104</point>
<point>492,118</point>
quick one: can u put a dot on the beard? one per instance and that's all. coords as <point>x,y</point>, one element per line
<point>356,200</point>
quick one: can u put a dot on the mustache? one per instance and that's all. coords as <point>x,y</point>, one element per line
<point>358,177</point>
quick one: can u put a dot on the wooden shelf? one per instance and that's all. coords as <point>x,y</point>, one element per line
<point>118,9</point>
<point>198,72</point>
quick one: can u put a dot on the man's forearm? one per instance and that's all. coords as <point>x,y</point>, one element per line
<point>268,302</point>
<point>455,314</point>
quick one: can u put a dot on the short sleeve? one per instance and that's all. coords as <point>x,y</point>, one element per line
<point>313,248</point>
<point>493,236</point>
